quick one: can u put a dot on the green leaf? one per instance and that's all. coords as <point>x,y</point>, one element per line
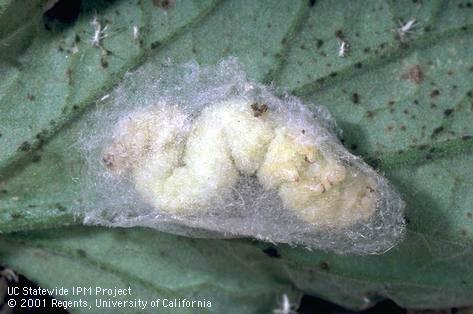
<point>406,106</point>
<point>234,277</point>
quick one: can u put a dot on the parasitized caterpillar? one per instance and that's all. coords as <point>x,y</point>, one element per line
<point>203,151</point>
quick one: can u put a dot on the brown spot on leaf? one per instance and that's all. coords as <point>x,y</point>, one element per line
<point>414,74</point>
<point>164,4</point>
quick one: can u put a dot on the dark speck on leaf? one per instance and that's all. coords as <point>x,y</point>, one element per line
<point>319,43</point>
<point>358,65</point>
<point>438,130</point>
<point>81,253</point>
<point>434,93</point>
<point>373,162</point>
<point>164,4</point>
<point>312,3</point>
<point>16,215</point>
<point>25,146</point>
<point>104,62</point>
<point>466,137</point>
<point>333,74</point>
<point>448,112</point>
<point>271,251</point>
<point>355,98</point>
<point>30,97</point>
<point>60,207</point>
<point>155,44</point>
<point>324,266</point>
<point>339,34</point>
<point>41,135</point>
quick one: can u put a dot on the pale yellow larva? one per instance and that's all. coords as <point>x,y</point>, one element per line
<point>178,170</point>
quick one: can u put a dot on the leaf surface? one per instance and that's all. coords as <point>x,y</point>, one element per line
<point>405,105</point>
